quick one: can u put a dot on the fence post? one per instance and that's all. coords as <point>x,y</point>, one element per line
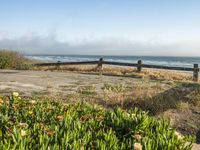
<point>196,73</point>
<point>58,65</point>
<point>139,66</point>
<point>100,64</point>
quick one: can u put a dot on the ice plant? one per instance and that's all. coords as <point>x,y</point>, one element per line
<point>82,126</point>
<point>23,125</point>
<point>30,112</point>
<point>49,132</point>
<point>23,133</point>
<point>14,98</point>
<point>7,102</point>
<point>138,137</point>
<point>16,94</point>
<point>32,101</point>
<point>1,101</point>
<point>60,118</point>
<point>179,136</point>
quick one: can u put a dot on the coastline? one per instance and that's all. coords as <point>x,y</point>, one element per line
<point>158,60</point>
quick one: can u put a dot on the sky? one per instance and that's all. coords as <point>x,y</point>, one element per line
<point>96,27</point>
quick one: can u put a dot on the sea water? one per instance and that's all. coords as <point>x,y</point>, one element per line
<point>155,60</point>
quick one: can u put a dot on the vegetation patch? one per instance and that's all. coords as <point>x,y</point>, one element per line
<point>87,90</point>
<point>48,124</point>
<point>13,60</point>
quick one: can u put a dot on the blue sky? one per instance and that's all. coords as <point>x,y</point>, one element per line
<point>113,27</point>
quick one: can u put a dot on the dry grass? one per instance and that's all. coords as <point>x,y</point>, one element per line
<point>167,75</point>
<point>183,106</point>
<point>156,97</point>
<point>155,74</point>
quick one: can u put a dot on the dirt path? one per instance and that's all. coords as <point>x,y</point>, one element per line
<point>53,83</point>
<point>196,147</point>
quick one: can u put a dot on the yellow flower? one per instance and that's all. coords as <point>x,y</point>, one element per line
<point>16,94</point>
<point>23,125</point>
<point>49,109</point>
<point>49,132</point>
<point>1,101</point>
<point>23,133</point>
<point>179,136</point>
<point>30,112</point>
<point>137,146</point>
<point>65,104</point>
<point>41,125</point>
<point>32,102</point>
<point>60,118</point>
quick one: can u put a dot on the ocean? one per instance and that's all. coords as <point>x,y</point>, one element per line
<point>156,60</point>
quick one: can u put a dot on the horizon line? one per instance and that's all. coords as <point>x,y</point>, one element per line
<point>106,55</point>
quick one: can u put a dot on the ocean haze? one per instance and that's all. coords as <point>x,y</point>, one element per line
<point>98,46</point>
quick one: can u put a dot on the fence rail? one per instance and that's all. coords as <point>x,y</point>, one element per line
<point>67,63</point>
<point>139,66</point>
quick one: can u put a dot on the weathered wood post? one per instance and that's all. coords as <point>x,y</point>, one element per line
<point>139,66</point>
<point>100,64</point>
<point>196,73</point>
<point>58,65</point>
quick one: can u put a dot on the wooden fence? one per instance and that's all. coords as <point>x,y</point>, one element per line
<point>139,66</point>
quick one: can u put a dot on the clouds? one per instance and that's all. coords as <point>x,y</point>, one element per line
<point>49,44</point>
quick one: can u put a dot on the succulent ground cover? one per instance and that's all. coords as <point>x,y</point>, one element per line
<point>48,124</point>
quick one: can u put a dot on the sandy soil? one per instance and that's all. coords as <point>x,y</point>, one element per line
<point>53,83</point>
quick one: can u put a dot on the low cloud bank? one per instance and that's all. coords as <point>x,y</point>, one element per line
<point>104,46</point>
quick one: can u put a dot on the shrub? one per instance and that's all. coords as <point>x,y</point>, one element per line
<point>12,60</point>
<point>54,125</point>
